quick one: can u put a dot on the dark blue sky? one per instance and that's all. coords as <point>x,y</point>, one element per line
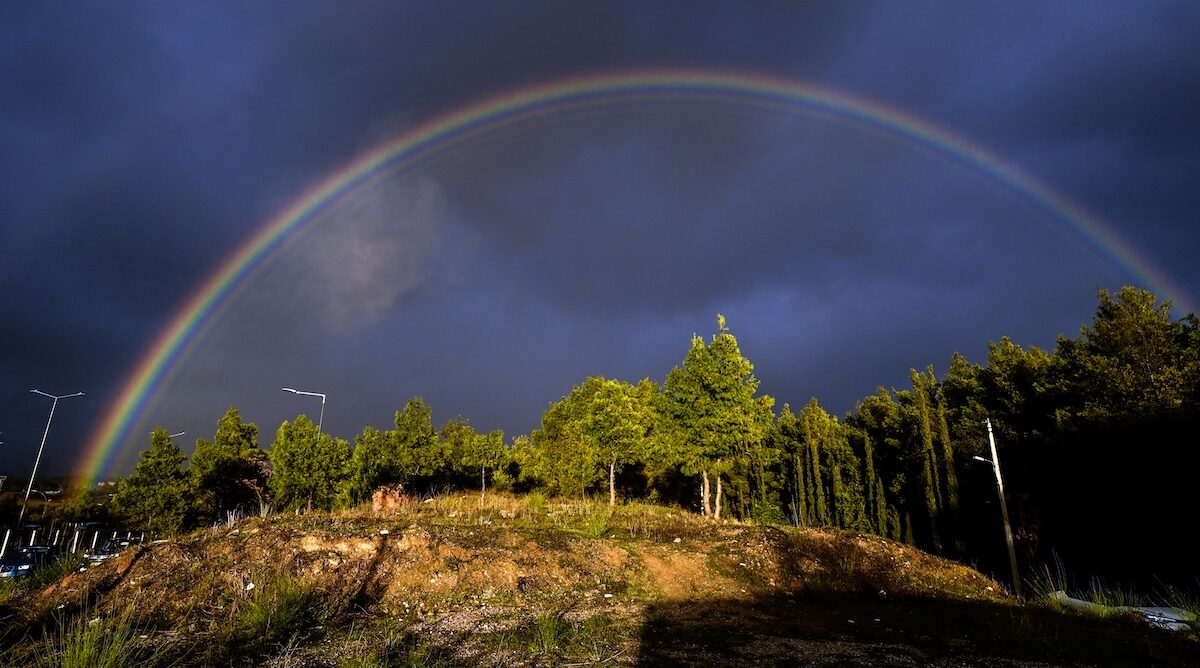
<point>143,143</point>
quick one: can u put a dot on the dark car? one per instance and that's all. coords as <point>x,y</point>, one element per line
<point>25,560</point>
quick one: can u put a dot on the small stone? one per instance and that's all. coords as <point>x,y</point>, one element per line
<point>677,540</point>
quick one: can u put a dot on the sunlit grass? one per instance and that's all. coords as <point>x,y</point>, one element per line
<point>79,642</point>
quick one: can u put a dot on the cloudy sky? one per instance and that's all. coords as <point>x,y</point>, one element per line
<point>143,144</point>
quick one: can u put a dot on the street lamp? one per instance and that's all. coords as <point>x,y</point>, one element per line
<point>312,394</point>
<point>1008,537</point>
<point>37,461</point>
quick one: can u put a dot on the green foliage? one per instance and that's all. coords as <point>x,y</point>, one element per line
<point>616,421</point>
<point>559,457</point>
<point>279,609</point>
<point>1133,359</point>
<point>767,514</point>
<point>156,497</point>
<point>487,453</point>
<point>711,400</point>
<point>56,570</point>
<point>228,472</point>
<point>372,465</point>
<point>308,468</point>
<point>79,642</point>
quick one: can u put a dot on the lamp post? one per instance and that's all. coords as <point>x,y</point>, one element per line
<point>37,461</point>
<point>312,394</point>
<point>1008,536</point>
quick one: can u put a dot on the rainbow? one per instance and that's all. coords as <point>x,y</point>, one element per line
<point>206,303</point>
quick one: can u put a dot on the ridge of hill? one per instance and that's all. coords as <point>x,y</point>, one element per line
<point>502,580</point>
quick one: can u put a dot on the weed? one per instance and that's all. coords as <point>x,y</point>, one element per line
<point>56,570</point>
<point>549,631</point>
<point>96,643</point>
<point>536,502</point>
<point>595,520</point>
<point>277,610</point>
<point>8,587</point>
<point>400,648</point>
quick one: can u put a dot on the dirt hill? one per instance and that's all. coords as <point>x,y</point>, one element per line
<point>464,580</point>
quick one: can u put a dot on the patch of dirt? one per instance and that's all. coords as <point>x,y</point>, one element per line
<point>680,575</point>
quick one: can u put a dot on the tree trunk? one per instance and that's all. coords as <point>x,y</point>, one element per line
<point>704,494</point>
<point>612,484</point>
<point>482,480</point>
<point>717,513</point>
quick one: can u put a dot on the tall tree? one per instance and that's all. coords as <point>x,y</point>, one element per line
<point>1130,361</point>
<point>561,457</point>
<point>616,420</point>
<point>418,451</point>
<point>227,472</point>
<point>374,463</point>
<point>711,397</point>
<point>155,497</point>
<point>921,416</point>
<point>308,468</point>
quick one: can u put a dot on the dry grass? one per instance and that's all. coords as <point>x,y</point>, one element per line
<point>460,579</point>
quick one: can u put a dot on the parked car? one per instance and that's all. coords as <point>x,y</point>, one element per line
<point>25,560</point>
<point>109,549</point>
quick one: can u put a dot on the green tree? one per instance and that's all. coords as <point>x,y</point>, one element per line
<point>227,472</point>
<point>561,458</point>
<point>880,419</point>
<point>417,450</point>
<point>616,420</point>
<point>486,452</point>
<point>711,398</point>
<point>308,468</point>
<point>156,496</point>
<point>1130,361</point>
<point>373,464</point>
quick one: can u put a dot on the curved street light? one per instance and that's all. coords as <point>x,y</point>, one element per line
<point>312,394</point>
<point>37,461</point>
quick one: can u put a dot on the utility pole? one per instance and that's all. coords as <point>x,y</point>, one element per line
<point>1008,536</point>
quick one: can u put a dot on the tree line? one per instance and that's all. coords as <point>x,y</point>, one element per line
<point>707,439</point>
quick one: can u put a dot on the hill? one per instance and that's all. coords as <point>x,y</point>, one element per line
<point>499,580</point>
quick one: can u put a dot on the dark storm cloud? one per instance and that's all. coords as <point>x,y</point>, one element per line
<point>143,143</point>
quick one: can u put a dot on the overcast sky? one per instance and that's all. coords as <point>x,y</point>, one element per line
<point>143,143</point>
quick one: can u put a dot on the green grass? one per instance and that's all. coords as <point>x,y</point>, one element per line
<point>8,587</point>
<point>556,637</point>
<point>1106,597</point>
<point>80,642</point>
<point>56,570</point>
<point>277,610</point>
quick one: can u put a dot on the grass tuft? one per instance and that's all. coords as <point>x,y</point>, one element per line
<point>279,609</point>
<point>96,643</point>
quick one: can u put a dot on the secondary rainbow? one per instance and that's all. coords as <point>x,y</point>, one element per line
<point>205,303</point>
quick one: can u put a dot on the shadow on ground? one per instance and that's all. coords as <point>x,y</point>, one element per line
<point>856,630</point>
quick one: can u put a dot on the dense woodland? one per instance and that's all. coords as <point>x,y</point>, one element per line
<point>1095,437</point>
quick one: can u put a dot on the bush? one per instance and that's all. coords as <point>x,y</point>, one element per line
<point>767,514</point>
